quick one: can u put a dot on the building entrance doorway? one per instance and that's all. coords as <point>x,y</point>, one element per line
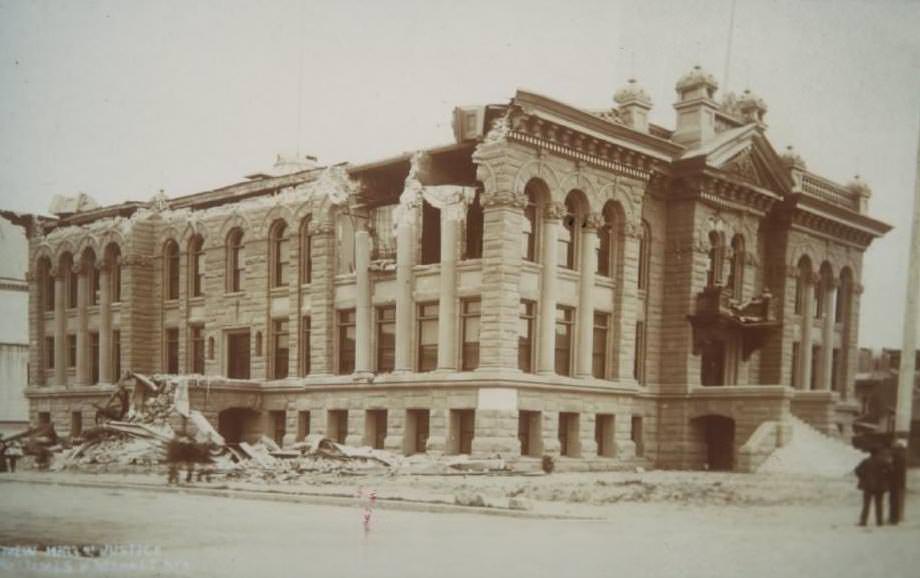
<point>718,433</point>
<point>238,424</point>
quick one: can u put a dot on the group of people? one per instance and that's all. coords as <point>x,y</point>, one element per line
<point>884,471</point>
<point>8,456</point>
<point>183,451</point>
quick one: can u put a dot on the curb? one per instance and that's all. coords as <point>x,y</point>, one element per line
<point>396,504</point>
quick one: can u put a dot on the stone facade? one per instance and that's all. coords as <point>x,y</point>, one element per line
<point>454,301</point>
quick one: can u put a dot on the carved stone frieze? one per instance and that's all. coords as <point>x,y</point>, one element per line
<point>594,221</point>
<point>503,199</point>
<point>554,210</point>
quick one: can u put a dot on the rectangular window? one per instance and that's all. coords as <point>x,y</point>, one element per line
<point>305,346</point>
<point>635,434</point>
<point>599,353</point>
<point>603,251</point>
<point>94,357</point>
<point>639,353</point>
<point>835,370</point>
<point>565,320</point>
<point>796,352</point>
<point>238,355</point>
<point>44,418</point>
<point>197,339</point>
<point>71,350</point>
<point>172,350</point>
<point>471,311</point>
<point>116,355</point>
<point>382,225</point>
<point>303,425</point>
<point>525,336</point>
<point>346,330</point>
<point>386,339</point>
<point>76,424</point>
<point>278,419</point>
<point>49,352</point>
<point>799,294</point>
<point>427,337</point>
<point>280,347</point>
<point>815,364</point>
<point>604,434</point>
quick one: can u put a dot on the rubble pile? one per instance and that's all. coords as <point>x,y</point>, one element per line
<point>811,452</point>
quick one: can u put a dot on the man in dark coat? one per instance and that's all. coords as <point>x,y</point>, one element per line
<point>874,474</point>
<point>898,485</point>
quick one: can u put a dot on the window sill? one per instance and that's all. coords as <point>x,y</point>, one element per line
<point>604,282</point>
<point>234,294</point>
<point>171,304</point>
<point>280,291</point>
<point>197,300</point>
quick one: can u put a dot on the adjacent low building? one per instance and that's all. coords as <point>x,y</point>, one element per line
<point>14,331</point>
<point>558,281</point>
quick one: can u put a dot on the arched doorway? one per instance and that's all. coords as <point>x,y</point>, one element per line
<point>718,434</point>
<point>238,424</point>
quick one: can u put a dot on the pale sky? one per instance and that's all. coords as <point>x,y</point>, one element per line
<point>120,99</point>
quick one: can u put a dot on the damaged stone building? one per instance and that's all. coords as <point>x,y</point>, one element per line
<point>562,281</point>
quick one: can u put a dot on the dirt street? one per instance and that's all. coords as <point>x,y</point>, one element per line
<point>184,535</point>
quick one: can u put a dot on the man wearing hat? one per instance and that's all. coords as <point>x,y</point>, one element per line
<point>898,481</point>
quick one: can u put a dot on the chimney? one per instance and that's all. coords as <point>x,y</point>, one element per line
<point>634,105</point>
<point>696,107</point>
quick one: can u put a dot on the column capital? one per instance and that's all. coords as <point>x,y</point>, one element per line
<point>503,199</point>
<point>554,211</point>
<point>632,230</point>
<point>594,222</point>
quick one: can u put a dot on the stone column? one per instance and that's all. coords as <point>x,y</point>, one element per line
<point>807,323</point>
<point>447,303</point>
<point>827,337</point>
<point>585,322</point>
<point>586,441</point>
<point>60,329</point>
<point>405,245</point>
<point>503,217</point>
<point>105,324</point>
<point>550,432</point>
<point>363,321</point>
<point>322,296</point>
<point>546,361</point>
<point>627,302</point>
<point>83,362</point>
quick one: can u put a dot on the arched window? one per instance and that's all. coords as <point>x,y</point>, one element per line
<point>474,226</point>
<point>306,248</point>
<point>608,241</point>
<point>823,289</point>
<point>801,281</point>
<point>278,247</point>
<point>536,193</point>
<point>843,296</point>
<point>113,258</point>
<point>716,256</point>
<point>645,243</point>
<point>567,238</point>
<point>91,271</point>
<point>70,279</point>
<point>47,283</point>
<point>196,265</point>
<point>736,268</point>
<point>431,234</point>
<point>235,260</point>
<point>171,257</point>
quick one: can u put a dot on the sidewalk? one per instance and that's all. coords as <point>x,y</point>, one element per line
<point>409,499</point>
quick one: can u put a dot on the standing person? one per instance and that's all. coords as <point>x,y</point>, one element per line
<point>898,482</point>
<point>874,473</point>
<point>13,454</point>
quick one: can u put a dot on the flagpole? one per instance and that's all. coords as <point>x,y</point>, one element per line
<point>909,343</point>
